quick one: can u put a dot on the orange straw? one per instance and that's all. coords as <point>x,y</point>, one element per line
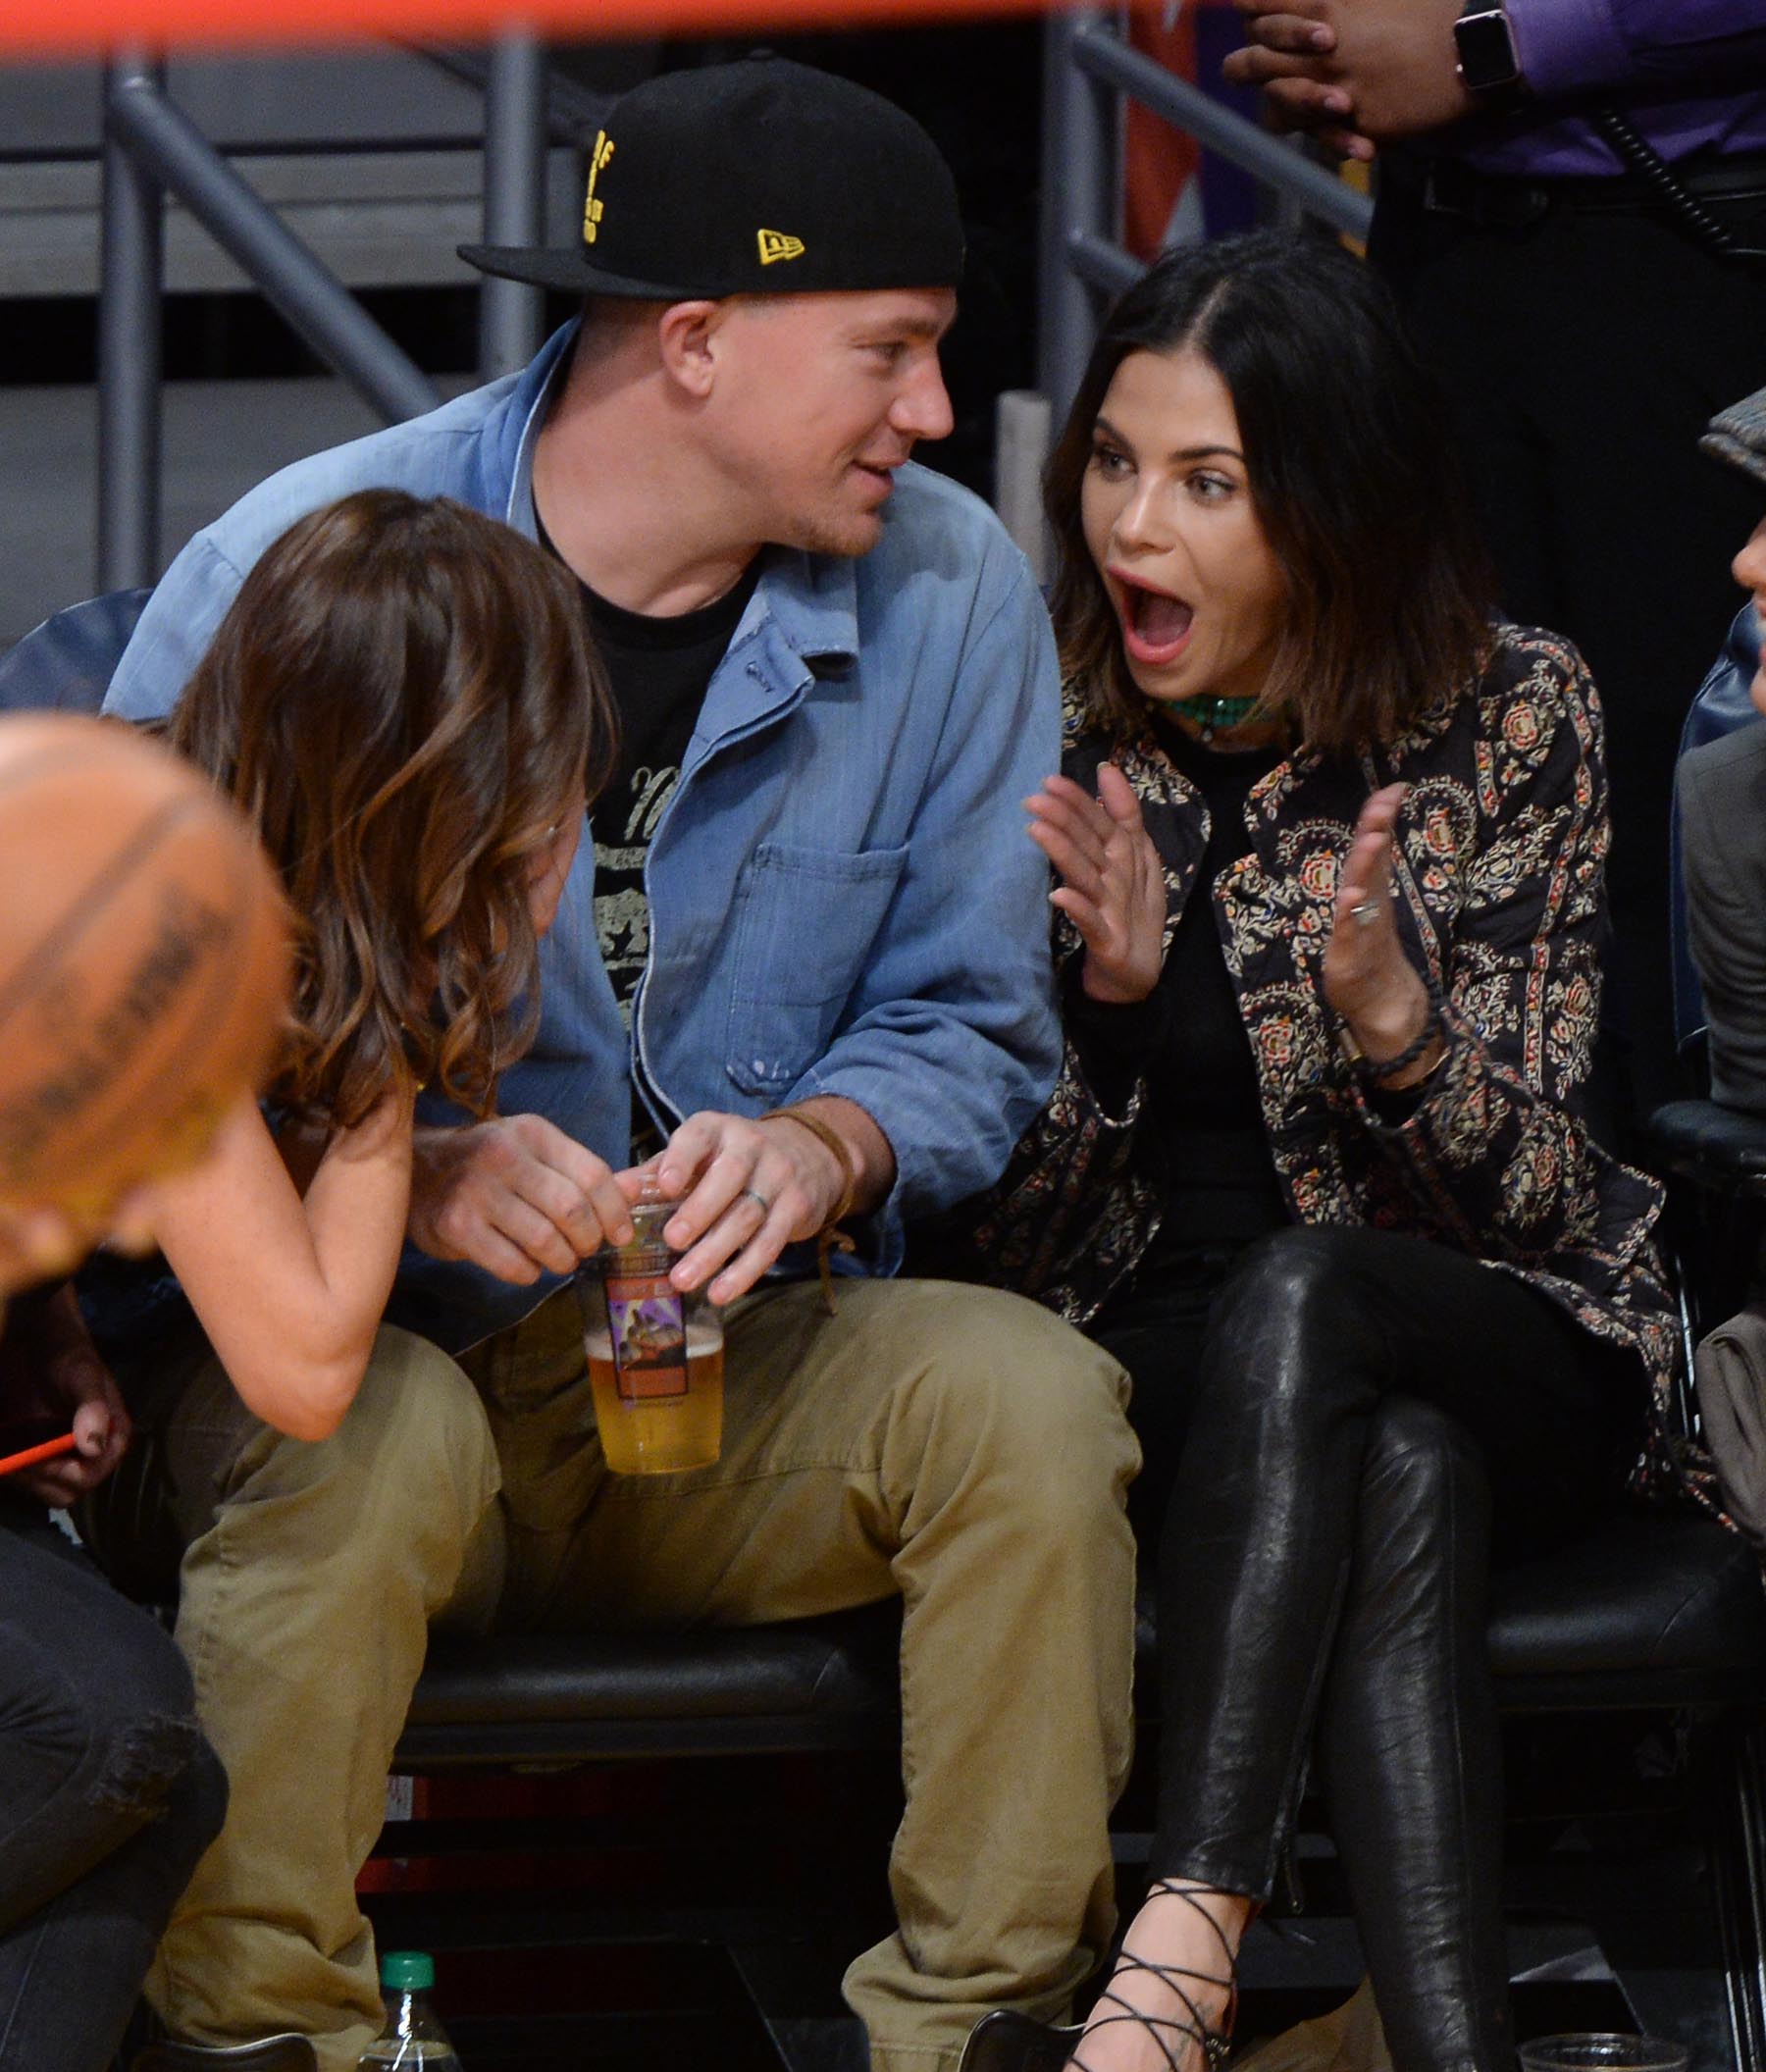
<point>47,1451</point>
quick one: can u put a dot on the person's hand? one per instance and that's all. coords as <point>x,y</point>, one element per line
<point>515,1196</point>
<point>1113,883</point>
<point>57,1373</point>
<point>1353,72</point>
<point>1368,979</point>
<point>747,1190</point>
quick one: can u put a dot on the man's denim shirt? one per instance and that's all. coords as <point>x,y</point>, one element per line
<point>843,897</point>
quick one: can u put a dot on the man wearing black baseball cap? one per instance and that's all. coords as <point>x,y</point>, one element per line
<point>798,980</point>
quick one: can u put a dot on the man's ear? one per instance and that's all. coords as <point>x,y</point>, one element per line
<point>687,335</point>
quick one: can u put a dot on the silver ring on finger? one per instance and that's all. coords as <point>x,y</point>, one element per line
<point>1365,912</point>
<point>748,1194</point>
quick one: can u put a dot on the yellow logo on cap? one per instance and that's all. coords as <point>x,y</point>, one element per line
<point>598,161</point>
<point>774,244</point>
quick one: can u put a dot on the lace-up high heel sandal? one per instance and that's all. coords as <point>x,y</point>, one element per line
<point>1173,2033</point>
<point>1013,2043</point>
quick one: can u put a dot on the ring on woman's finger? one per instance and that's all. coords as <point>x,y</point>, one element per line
<point>748,1194</point>
<point>1365,912</point>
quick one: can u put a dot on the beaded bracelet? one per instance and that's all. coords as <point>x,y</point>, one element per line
<point>1376,1075</point>
<point>829,1238</point>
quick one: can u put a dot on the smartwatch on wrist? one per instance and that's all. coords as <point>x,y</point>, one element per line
<point>1490,67</point>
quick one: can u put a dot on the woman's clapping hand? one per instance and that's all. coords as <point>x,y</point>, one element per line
<point>1112,884</point>
<point>1368,977</point>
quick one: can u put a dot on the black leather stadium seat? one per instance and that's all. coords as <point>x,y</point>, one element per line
<point>815,1685</point>
<point>1652,1609</point>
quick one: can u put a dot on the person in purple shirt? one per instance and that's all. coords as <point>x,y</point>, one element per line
<point>1585,322</point>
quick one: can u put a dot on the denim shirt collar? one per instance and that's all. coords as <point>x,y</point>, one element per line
<point>522,415</point>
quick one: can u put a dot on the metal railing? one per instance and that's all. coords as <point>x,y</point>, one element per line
<point>1087,68</point>
<point>153,150</point>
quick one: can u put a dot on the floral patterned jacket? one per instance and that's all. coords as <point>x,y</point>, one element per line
<point>1498,889</point>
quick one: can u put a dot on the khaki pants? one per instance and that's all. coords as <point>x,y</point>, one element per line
<point>955,1445</point>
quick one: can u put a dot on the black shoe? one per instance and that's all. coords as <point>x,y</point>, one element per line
<point>1003,2042</point>
<point>274,2054</point>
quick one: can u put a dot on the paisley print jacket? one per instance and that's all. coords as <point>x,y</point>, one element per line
<point>1498,891</point>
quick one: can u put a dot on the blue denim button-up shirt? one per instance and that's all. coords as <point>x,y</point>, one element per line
<point>843,899</point>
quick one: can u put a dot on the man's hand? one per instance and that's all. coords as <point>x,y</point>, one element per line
<point>515,1196</point>
<point>52,1370</point>
<point>748,1189</point>
<point>1354,73</point>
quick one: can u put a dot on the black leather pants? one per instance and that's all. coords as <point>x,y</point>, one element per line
<point>1363,1419</point>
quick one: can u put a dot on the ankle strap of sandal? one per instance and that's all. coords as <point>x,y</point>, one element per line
<point>1172,2032</point>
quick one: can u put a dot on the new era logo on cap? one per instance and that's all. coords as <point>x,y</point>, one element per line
<point>775,246</point>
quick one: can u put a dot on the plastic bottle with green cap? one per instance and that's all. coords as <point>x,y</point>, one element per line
<point>413,2037</point>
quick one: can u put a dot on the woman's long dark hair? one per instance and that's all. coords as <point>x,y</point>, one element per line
<point>1351,472</point>
<point>404,703</point>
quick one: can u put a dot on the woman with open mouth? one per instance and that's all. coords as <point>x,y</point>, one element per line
<point>1327,848</point>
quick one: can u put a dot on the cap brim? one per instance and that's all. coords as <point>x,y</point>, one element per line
<point>1723,446</point>
<point>569,271</point>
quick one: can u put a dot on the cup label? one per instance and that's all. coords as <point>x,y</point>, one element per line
<point>646,1323</point>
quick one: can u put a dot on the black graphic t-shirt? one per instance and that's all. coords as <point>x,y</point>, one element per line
<point>659,669</point>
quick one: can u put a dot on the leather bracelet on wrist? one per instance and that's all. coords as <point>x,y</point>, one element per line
<point>1378,1074</point>
<point>829,1238</point>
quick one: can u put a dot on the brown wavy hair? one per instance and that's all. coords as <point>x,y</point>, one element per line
<point>404,702</point>
<point>1351,471</point>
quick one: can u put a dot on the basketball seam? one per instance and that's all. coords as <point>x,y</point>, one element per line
<point>29,979</point>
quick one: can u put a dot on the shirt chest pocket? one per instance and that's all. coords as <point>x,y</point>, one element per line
<point>805,921</point>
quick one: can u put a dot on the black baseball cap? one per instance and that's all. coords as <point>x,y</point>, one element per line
<point>1738,435</point>
<point>764,177</point>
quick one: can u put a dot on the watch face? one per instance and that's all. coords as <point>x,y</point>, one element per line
<point>1486,51</point>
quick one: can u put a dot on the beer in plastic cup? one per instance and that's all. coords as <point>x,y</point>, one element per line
<point>1604,2051</point>
<point>655,1355</point>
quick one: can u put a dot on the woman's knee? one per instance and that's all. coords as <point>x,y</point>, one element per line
<point>1291,1333</point>
<point>1425,1447</point>
<point>1298,1273</point>
<point>1423,1475</point>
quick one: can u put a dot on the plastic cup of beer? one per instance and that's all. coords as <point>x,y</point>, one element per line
<point>656,1355</point>
<point>1604,2051</point>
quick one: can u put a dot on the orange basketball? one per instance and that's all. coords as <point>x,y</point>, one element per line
<point>144,963</point>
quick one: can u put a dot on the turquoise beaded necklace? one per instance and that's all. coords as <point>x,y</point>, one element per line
<point>1217,716</point>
